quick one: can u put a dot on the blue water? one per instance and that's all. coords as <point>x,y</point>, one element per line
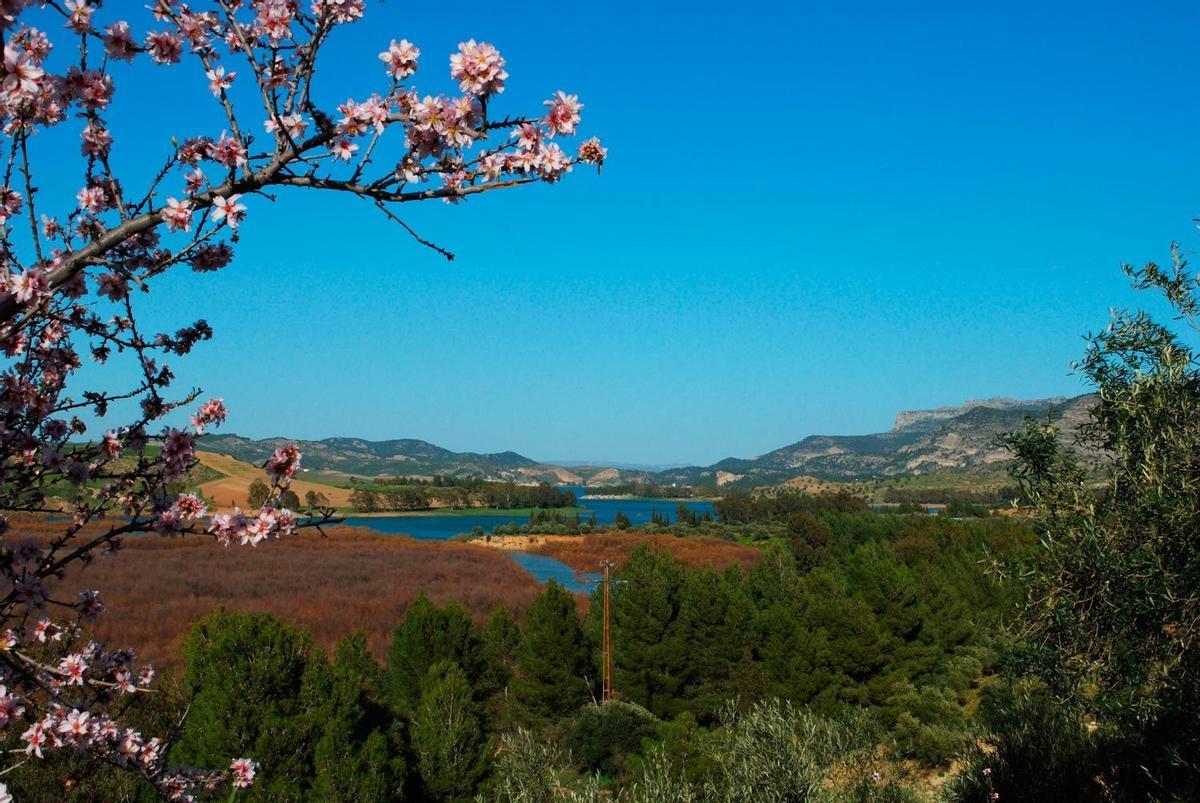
<point>543,569</point>
<point>431,528</point>
<point>442,528</point>
<point>639,511</point>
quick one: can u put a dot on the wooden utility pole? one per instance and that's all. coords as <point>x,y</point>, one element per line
<point>607,690</point>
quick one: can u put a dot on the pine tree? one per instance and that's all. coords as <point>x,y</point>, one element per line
<point>553,662</point>
<point>252,681</point>
<point>711,633</point>
<point>354,761</point>
<point>429,634</point>
<point>447,735</point>
<point>500,642</point>
<point>646,662</point>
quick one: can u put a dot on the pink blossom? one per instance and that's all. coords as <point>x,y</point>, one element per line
<point>178,450</point>
<point>118,42</point>
<point>97,141</point>
<point>12,204</point>
<point>150,752</point>
<point>167,523</point>
<point>401,59</point>
<point>212,411</point>
<point>229,210</point>
<point>340,11</point>
<point>76,729</point>
<point>211,257</point>
<point>165,48</point>
<point>78,472</point>
<point>283,464</point>
<point>285,521</point>
<point>194,181</point>
<point>528,136</point>
<point>552,162</point>
<point>493,165</point>
<point>10,707</point>
<point>190,506</point>
<point>73,668</point>
<point>45,630</point>
<point>130,744</point>
<point>35,43</point>
<point>89,606</point>
<point>30,592</point>
<point>343,149</point>
<point>478,68</point>
<point>177,215</point>
<point>564,113</point>
<point>294,124</point>
<point>94,89</point>
<point>219,81</point>
<point>111,445</point>
<point>92,199</point>
<point>28,286</point>
<point>80,15</point>
<point>38,736</point>
<point>243,772</point>
<point>227,526</point>
<point>193,150</point>
<point>113,286</point>
<point>53,459</point>
<point>274,19</point>
<point>591,152</point>
<point>228,151</point>
<point>22,78</point>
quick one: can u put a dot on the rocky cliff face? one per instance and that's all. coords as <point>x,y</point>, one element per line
<point>947,439</point>
<point>926,420</point>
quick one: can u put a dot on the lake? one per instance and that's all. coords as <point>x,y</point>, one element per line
<point>434,527</point>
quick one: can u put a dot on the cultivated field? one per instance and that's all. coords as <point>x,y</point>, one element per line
<point>233,488</point>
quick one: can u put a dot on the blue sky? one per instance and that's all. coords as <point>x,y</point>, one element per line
<point>814,215</point>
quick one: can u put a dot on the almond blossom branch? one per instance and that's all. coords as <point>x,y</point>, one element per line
<point>65,298</point>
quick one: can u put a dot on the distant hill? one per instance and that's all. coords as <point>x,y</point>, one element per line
<point>947,439</point>
<point>406,457</point>
<point>942,440</point>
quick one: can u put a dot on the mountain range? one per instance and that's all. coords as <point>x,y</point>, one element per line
<point>942,440</point>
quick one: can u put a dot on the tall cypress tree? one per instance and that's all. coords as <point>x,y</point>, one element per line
<point>553,661</point>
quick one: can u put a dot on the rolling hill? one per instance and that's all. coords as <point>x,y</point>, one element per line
<point>961,439</point>
<point>406,457</point>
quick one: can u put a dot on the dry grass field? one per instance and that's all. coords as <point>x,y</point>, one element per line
<point>155,588</point>
<point>233,488</point>
<point>584,553</point>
